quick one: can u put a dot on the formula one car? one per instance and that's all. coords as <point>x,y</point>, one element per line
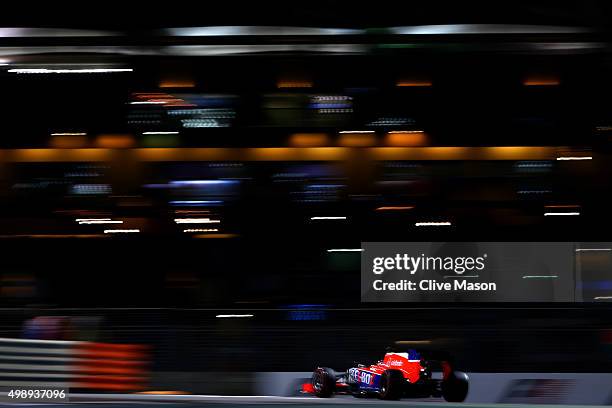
<point>399,374</point>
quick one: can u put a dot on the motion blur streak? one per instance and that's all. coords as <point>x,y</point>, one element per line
<point>406,138</point>
<point>541,81</point>
<point>414,83</point>
<point>68,71</point>
<point>395,208</point>
<point>357,139</point>
<point>285,153</point>
<point>68,142</point>
<point>115,141</point>
<point>309,139</point>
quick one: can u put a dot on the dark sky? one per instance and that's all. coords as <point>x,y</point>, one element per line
<point>150,14</point>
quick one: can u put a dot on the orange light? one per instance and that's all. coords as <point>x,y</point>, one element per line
<point>177,83</point>
<point>68,142</point>
<point>288,83</point>
<point>395,208</point>
<point>541,81</point>
<point>357,139</point>
<point>217,236</point>
<point>115,141</point>
<point>414,82</point>
<point>406,138</point>
<point>308,139</point>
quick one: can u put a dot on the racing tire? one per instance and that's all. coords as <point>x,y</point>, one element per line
<point>323,382</point>
<point>455,387</point>
<point>391,385</point>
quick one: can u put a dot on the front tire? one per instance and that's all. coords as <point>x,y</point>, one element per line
<point>391,385</point>
<point>455,387</point>
<point>323,382</point>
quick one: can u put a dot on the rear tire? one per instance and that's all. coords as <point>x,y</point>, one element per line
<point>323,382</point>
<point>391,385</point>
<point>455,387</point>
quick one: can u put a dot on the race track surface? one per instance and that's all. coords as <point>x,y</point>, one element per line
<point>219,401</point>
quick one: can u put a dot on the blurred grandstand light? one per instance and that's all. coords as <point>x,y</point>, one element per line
<point>69,134</point>
<point>100,222</point>
<point>214,31</point>
<point>327,218</point>
<point>160,133</point>
<point>201,230</point>
<point>221,316</point>
<point>68,70</point>
<point>433,224</point>
<point>195,203</point>
<point>196,221</point>
<point>406,138</point>
<point>413,83</point>
<point>457,29</point>
<point>147,102</point>
<point>413,342</point>
<point>561,213</point>
<point>120,231</point>
<point>357,139</point>
<point>345,250</point>
<point>203,182</point>
<point>541,82</point>
<point>592,249</point>
<point>92,219</point>
<point>308,139</point>
<point>177,83</point>
<point>294,84</point>
<point>603,298</point>
<point>575,158</point>
<point>540,277</point>
<point>115,141</point>
<point>395,208</point>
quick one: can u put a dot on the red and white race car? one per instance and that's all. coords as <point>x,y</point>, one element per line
<point>399,374</point>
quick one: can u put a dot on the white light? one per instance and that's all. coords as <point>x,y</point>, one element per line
<point>196,221</point>
<point>100,222</point>
<point>147,103</point>
<point>258,30</point>
<point>446,29</point>
<point>592,249</point>
<point>120,231</point>
<point>327,218</point>
<point>561,213</point>
<point>575,158</point>
<point>540,277</point>
<point>68,71</point>
<point>92,219</point>
<point>356,131</point>
<point>201,230</point>
<point>432,224</point>
<point>69,134</point>
<point>602,297</point>
<point>345,250</point>
<point>233,315</point>
<point>160,133</point>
